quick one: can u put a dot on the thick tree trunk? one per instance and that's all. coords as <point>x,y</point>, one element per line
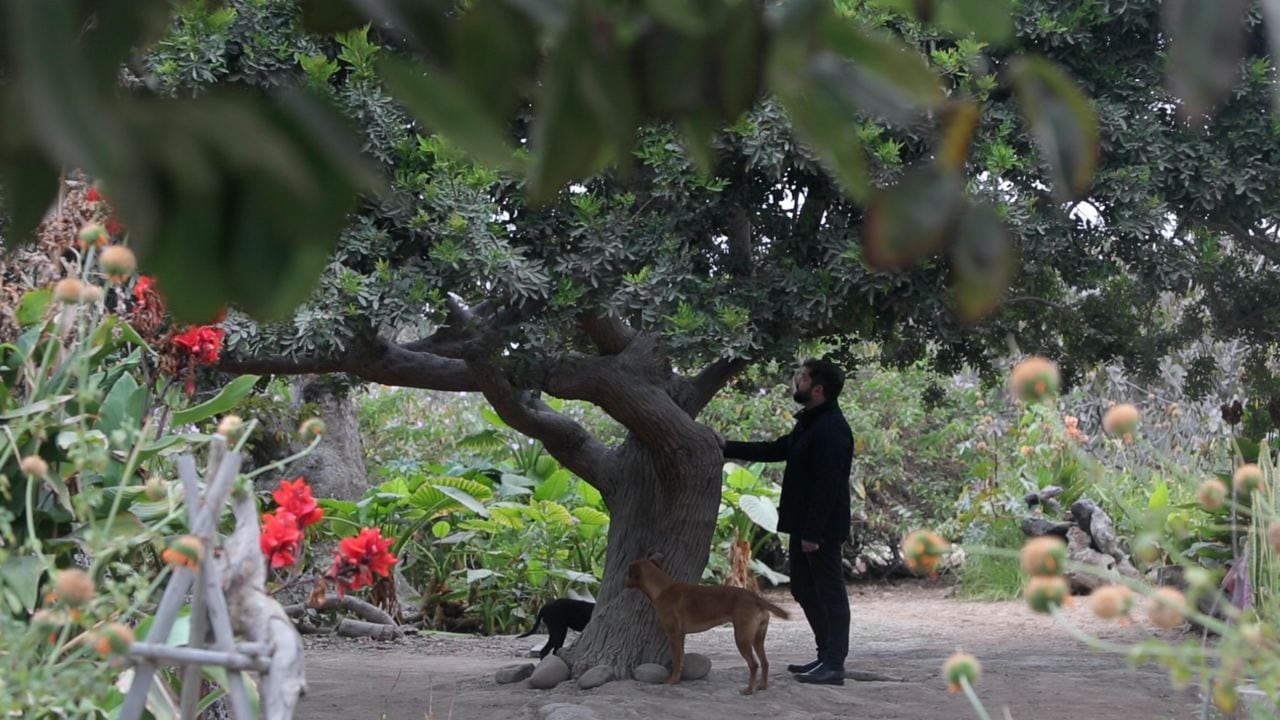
<point>335,468</point>
<point>660,503</point>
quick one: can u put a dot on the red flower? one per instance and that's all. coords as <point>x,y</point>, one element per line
<point>93,195</point>
<point>280,538</point>
<point>114,226</point>
<point>359,558</point>
<point>295,498</point>
<point>203,343</point>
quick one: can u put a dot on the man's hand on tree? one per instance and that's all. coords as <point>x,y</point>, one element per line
<point>719,438</point>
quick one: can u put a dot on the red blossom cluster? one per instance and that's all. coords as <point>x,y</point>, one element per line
<point>361,557</point>
<point>282,529</point>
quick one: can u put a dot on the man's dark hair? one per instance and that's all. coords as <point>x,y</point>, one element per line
<point>826,374</point>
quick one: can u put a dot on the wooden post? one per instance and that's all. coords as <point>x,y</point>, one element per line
<point>274,650</point>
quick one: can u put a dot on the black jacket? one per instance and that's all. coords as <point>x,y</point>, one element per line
<point>815,485</point>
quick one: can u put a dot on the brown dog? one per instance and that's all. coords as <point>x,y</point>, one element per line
<point>684,608</point>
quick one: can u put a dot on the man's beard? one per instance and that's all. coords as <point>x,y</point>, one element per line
<point>802,396</point>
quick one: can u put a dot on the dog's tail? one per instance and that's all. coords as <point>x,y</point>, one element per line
<point>536,622</point>
<point>773,608</point>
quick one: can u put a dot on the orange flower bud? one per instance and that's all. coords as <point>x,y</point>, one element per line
<point>961,666</point>
<point>74,586</point>
<point>1046,555</point>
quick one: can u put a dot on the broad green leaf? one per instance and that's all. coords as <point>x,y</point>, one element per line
<point>573,575</point>
<point>876,73</point>
<point>495,55</point>
<point>123,405</point>
<point>224,401</point>
<point>32,307</point>
<point>740,60</point>
<point>987,20</point>
<point>483,440</point>
<point>450,108</point>
<point>739,478</point>
<point>124,526</point>
<point>257,226</point>
<point>590,495</point>
<point>554,487</point>
<point>21,574</point>
<point>826,124</point>
<point>1206,42</point>
<point>554,513</point>
<point>909,221</point>
<point>568,138</point>
<point>761,511</point>
<point>338,508</point>
<point>518,480</point>
<point>440,530</point>
<point>590,516</point>
<point>464,498</point>
<point>536,571</point>
<point>36,407</point>
<point>492,418</point>
<point>767,572</point>
<point>1061,120</point>
<point>983,262</point>
<point>475,575</point>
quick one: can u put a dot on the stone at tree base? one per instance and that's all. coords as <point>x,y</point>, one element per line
<point>1080,549</point>
<point>595,677</point>
<point>696,667</point>
<point>513,673</point>
<point>565,711</point>
<point>651,673</point>
<point>1082,512</point>
<point>550,672</point>
<point>1038,526</point>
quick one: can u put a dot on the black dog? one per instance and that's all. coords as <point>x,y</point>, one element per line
<point>560,615</point>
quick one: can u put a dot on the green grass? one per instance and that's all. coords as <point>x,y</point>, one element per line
<point>989,578</point>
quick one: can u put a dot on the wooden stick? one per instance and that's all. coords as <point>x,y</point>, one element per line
<point>191,677</point>
<point>366,611</point>
<point>194,658</point>
<point>359,628</point>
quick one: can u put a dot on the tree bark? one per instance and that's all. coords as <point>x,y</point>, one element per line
<point>336,467</point>
<point>660,502</point>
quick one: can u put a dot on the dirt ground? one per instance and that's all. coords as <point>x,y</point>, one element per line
<point>1033,670</point>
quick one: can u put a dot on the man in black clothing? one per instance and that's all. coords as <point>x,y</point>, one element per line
<point>815,511</point>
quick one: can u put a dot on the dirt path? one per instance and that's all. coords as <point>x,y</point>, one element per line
<point>1032,667</point>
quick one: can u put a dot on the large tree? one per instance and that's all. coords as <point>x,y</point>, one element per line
<point>644,290</point>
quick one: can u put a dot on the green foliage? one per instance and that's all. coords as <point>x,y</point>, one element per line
<point>989,577</point>
<point>83,462</point>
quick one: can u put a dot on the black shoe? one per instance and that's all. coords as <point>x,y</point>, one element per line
<point>823,675</point>
<point>807,667</point>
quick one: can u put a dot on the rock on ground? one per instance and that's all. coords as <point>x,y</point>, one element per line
<point>550,672</point>
<point>513,673</point>
<point>595,677</point>
<point>651,673</point>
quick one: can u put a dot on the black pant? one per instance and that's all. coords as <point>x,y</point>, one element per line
<point>817,583</point>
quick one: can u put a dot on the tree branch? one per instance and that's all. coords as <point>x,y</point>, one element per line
<point>740,242</point>
<point>1260,245</point>
<point>609,333</point>
<point>566,440</point>
<point>632,387</point>
<point>377,360</point>
<point>704,386</point>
